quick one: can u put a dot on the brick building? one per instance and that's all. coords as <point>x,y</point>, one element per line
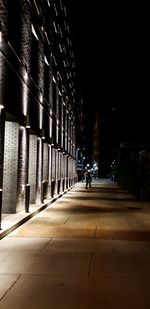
<point>37,102</point>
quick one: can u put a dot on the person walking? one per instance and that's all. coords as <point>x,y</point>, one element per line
<point>88,180</point>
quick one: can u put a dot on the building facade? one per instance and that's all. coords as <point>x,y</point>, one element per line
<point>37,102</point>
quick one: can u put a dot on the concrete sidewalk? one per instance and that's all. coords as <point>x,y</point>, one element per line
<point>10,222</point>
<point>88,249</point>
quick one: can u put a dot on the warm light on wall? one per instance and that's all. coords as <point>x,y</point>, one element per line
<point>36,7</point>
<point>48,3</point>
<point>50,127</point>
<point>40,116</point>
<point>25,75</point>
<point>41,98</point>
<point>54,80</point>
<point>1,99</point>
<point>46,61</point>
<point>25,100</point>
<point>34,32</point>
<point>43,135</point>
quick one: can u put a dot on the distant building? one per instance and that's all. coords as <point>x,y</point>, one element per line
<point>103,144</point>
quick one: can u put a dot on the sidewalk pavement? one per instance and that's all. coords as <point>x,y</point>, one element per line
<point>88,249</point>
<point>10,222</point>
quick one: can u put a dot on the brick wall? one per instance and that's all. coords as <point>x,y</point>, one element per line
<point>10,167</point>
<point>4,17</point>
<point>53,164</point>
<point>26,36</point>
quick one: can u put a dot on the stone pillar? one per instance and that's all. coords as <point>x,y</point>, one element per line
<point>22,167</point>
<point>49,168</point>
<point>32,167</point>
<point>39,169</point>
<point>10,171</point>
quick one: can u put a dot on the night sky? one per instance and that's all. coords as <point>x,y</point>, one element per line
<point>111,52</point>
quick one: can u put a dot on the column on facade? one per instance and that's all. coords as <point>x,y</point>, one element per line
<point>66,143</point>
<point>57,120</point>
<point>50,121</point>
<point>54,130</point>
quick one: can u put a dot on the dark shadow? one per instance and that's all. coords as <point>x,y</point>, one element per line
<point>104,190</point>
<point>102,198</point>
<point>125,235</point>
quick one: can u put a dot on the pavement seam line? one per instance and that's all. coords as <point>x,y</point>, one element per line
<point>66,220</point>
<point>50,240</point>
<point>10,287</point>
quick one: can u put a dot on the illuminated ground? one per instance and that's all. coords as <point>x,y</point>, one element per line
<point>87,250</point>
